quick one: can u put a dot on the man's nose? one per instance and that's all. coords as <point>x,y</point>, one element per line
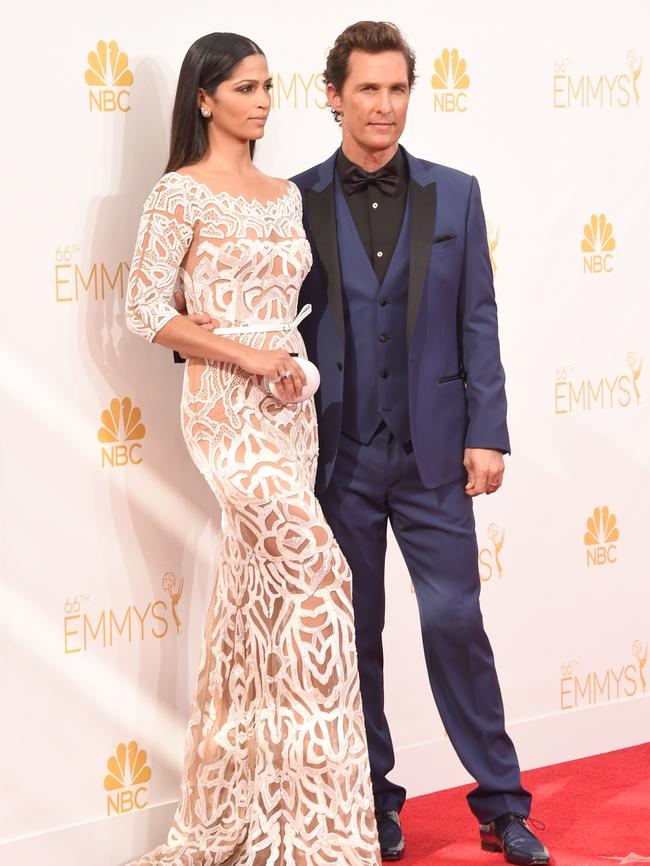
<point>384,103</point>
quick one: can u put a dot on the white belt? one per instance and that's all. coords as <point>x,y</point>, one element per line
<point>267,325</point>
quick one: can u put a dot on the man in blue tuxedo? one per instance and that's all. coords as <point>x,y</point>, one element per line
<point>412,414</point>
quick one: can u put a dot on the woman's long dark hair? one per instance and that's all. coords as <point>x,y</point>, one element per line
<point>209,61</point>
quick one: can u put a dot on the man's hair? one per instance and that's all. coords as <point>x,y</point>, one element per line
<point>372,37</point>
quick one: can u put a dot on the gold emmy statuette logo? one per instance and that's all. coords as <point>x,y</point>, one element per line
<point>108,76</point>
<point>618,681</point>
<point>120,431</point>
<point>598,244</point>
<point>600,537</point>
<point>489,558</point>
<point>619,390</point>
<point>98,280</point>
<point>635,364</point>
<point>640,653</point>
<point>450,82</point>
<point>605,90</point>
<point>493,235</point>
<point>294,90</point>
<point>126,780</point>
<point>169,585</point>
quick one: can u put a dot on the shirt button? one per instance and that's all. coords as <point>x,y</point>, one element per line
<point>379,254</point>
<point>383,338</point>
<point>375,205</point>
<point>382,302</point>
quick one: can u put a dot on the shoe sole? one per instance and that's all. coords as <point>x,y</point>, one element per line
<point>395,854</point>
<point>518,861</point>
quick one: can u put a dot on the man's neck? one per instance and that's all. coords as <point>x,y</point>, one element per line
<point>368,160</point>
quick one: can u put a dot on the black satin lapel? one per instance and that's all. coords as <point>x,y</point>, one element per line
<point>423,221</point>
<point>321,212</point>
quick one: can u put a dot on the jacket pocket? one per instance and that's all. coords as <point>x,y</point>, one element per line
<point>444,379</point>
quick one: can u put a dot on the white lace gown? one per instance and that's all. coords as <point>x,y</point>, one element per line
<point>276,766</point>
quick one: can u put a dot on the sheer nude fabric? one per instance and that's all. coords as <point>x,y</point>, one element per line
<point>276,765</point>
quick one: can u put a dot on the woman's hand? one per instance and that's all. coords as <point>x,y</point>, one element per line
<point>272,363</point>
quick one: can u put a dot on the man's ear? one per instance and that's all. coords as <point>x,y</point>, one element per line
<point>333,97</point>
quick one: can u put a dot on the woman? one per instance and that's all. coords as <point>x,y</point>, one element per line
<point>276,764</point>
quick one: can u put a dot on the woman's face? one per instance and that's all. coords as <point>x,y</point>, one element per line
<point>240,105</point>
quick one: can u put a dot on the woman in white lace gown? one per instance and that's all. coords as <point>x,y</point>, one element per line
<point>276,766</point>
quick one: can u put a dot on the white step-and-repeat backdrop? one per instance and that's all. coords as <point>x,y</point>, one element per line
<point>110,538</point>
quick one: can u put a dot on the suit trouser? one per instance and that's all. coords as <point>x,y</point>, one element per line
<point>435,530</point>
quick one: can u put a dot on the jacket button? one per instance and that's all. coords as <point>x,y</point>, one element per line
<point>383,338</point>
<point>383,374</point>
<point>339,365</point>
<point>382,302</point>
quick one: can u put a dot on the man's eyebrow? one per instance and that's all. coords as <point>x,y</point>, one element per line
<point>403,83</point>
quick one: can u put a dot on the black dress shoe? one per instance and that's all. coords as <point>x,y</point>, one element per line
<point>510,834</point>
<point>391,840</point>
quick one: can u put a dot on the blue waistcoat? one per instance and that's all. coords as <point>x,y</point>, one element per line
<point>375,384</point>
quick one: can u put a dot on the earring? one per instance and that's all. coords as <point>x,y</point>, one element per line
<point>205,111</point>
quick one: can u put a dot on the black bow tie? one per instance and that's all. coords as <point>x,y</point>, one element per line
<point>356,179</point>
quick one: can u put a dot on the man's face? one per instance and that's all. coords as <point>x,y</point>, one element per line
<point>374,99</point>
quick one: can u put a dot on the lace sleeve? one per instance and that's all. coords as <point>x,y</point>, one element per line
<point>164,237</point>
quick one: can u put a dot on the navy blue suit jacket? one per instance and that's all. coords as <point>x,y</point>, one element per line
<point>456,381</point>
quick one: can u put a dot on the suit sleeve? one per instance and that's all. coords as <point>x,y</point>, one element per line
<point>479,338</point>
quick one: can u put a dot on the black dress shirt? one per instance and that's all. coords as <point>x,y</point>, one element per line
<point>377,215</point>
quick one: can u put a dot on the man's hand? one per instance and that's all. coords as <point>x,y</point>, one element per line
<point>485,469</point>
<point>201,319</point>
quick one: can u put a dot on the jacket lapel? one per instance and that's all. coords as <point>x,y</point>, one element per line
<point>422,198</point>
<point>321,214</point>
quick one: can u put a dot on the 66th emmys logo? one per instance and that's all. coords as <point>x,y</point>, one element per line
<point>619,390</point>
<point>125,782</point>
<point>612,89</point>
<point>490,562</point>
<point>601,537</point>
<point>580,688</point>
<point>120,433</point>
<point>108,76</point>
<point>450,82</point>
<point>295,90</point>
<point>598,244</point>
<point>85,628</point>
<point>99,281</point>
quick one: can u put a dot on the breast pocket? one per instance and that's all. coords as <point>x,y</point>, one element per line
<point>444,243</point>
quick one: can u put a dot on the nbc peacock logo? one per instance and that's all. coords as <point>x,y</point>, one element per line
<point>601,537</point>
<point>450,82</point>
<point>598,245</point>
<point>121,433</point>
<point>109,78</point>
<point>125,782</point>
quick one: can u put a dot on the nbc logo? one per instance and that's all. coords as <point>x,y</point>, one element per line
<point>489,558</point>
<point>600,537</point>
<point>126,779</point>
<point>120,431</point>
<point>598,244</point>
<point>450,82</point>
<point>108,76</point>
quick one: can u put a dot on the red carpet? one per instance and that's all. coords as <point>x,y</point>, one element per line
<point>596,811</point>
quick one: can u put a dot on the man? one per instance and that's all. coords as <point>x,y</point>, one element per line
<point>412,414</point>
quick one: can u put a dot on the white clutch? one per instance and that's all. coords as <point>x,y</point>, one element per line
<point>308,389</point>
